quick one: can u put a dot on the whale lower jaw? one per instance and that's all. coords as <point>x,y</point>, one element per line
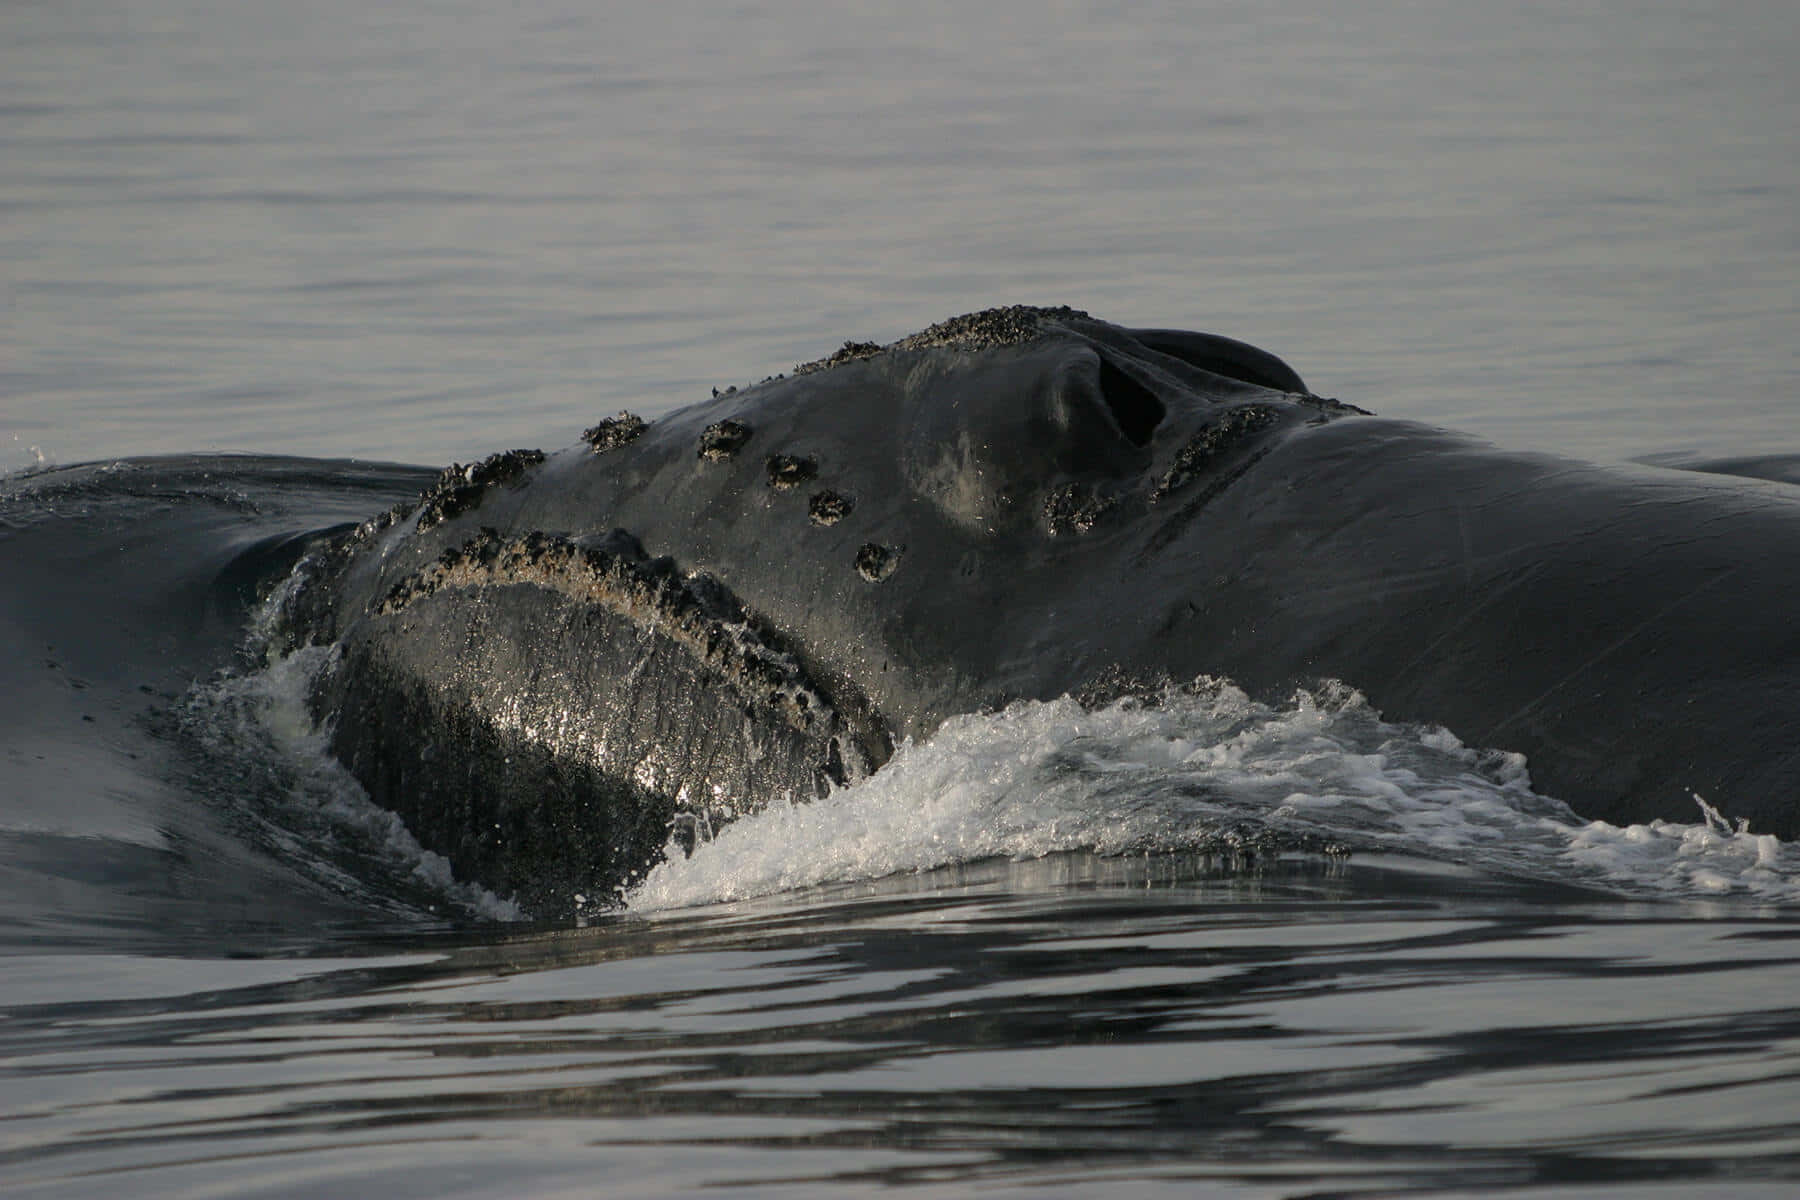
<point>549,714</point>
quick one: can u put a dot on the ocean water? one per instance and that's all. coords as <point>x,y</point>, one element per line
<point>1050,951</point>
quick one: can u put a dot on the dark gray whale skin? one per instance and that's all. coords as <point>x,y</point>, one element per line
<point>550,661</point>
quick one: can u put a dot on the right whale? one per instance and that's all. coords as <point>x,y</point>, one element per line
<point>552,657</point>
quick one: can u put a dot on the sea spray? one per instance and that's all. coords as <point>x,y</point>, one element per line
<point>1207,768</point>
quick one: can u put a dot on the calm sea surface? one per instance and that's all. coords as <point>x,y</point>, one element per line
<point>423,231</point>
<point>417,230</point>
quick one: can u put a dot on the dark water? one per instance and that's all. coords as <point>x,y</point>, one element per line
<point>1066,1026</point>
<point>419,232</point>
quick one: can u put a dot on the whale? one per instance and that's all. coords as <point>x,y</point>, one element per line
<point>559,667</point>
<point>551,660</point>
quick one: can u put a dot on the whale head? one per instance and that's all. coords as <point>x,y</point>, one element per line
<point>554,661</point>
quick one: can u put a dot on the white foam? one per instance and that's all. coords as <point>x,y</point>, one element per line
<point>1204,764</point>
<point>1714,857</point>
<point>262,716</point>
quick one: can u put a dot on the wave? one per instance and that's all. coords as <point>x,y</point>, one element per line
<point>1207,769</point>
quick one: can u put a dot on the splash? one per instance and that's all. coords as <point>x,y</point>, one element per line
<point>1714,857</point>
<point>1206,768</point>
<point>20,459</point>
<point>307,806</point>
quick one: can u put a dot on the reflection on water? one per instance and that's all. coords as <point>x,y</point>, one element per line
<point>1286,1026</point>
